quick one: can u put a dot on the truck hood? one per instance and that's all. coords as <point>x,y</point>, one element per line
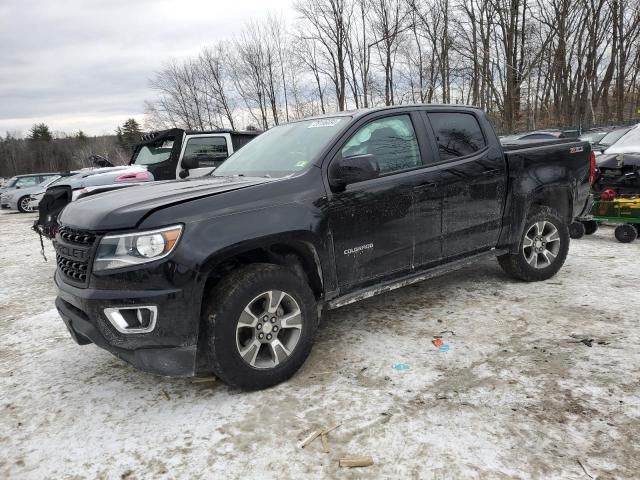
<point>125,208</point>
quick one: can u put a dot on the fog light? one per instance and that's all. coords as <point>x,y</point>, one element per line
<point>133,319</point>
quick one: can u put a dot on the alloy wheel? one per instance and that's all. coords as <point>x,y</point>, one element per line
<point>269,329</point>
<point>24,204</point>
<point>541,244</point>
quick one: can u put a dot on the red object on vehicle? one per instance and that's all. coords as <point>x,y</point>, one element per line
<point>134,177</point>
<point>592,168</point>
<point>608,194</point>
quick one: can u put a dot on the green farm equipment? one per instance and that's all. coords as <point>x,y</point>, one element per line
<point>623,210</point>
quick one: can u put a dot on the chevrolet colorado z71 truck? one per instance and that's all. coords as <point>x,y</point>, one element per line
<point>229,273</point>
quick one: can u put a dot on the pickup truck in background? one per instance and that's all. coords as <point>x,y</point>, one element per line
<point>177,153</point>
<point>165,155</point>
<point>229,273</point>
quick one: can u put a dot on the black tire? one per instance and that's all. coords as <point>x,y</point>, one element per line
<point>221,311</point>
<point>626,233</point>
<point>516,265</point>
<point>577,230</point>
<point>20,209</point>
<point>590,227</point>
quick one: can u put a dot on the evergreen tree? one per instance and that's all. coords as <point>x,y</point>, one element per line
<point>129,134</point>
<point>40,132</point>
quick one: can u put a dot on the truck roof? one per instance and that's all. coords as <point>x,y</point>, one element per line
<point>177,131</point>
<point>409,106</point>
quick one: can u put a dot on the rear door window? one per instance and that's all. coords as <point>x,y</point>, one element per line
<point>457,134</point>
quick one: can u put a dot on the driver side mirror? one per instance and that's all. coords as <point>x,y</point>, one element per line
<point>358,168</point>
<point>190,162</point>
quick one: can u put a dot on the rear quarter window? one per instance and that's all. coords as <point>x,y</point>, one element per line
<point>457,134</point>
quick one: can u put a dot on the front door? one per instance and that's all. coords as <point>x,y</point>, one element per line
<point>372,221</point>
<point>209,150</point>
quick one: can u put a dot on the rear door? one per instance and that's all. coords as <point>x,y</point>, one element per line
<point>472,183</point>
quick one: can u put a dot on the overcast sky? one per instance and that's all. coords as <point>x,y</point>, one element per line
<point>86,64</point>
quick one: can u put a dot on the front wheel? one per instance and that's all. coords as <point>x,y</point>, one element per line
<point>258,326</point>
<point>23,205</point>
<point>543,247</point>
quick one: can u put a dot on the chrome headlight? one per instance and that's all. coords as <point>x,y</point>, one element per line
<point>117,251</point>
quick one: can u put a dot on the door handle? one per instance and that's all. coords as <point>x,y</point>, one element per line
<point>491,173</point>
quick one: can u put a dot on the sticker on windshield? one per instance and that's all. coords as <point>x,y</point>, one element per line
<point>324,122</point>
<point>301,163</point>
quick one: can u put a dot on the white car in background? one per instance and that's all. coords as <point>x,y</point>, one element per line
<point>94,180</point>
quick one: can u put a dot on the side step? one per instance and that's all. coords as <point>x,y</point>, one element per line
<point>410,279</point>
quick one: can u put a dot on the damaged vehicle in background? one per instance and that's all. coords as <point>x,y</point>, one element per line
<point>229,273</point>
<point>165,155</point>
<point>20,198</point>
<point>79,184</point>
<point>23,181</point>
<point>619,165</point>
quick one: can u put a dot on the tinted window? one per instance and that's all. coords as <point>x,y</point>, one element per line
<point>391,140</point>
<point>207,149</point>
<point>457,134</point>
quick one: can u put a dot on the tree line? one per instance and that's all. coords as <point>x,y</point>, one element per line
<point>529,63</point>
<point>43,151</point>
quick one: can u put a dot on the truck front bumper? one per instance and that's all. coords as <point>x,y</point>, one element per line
<point>169,350</point>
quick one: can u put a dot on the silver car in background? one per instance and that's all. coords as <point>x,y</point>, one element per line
<point>16,191</point>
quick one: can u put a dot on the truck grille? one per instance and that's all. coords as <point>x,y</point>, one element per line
<point>74,251</point>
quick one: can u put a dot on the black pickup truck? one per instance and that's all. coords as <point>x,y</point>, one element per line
<point>230,273</point>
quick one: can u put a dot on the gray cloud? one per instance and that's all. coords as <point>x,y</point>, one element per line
<point>86,64</point>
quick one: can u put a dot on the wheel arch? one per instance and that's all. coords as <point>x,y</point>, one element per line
<point>557,196</point>
<point>299,252</point>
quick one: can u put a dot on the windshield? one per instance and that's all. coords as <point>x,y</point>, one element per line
<point>155,152</point>
<point>283,150</point>
<point>629,143</point>
<point>62,179</point>
<point>11,182</point>
<point>612,137</point>
<point>594,137</point>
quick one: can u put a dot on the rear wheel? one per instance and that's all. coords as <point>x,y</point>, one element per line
<point>258,326</point>
<point>577,230</point>
<point>590,227</point>
<point>625,233</point>
<point>543,247</point>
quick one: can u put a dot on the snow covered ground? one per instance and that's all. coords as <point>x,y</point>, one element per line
<point>516,395</point>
